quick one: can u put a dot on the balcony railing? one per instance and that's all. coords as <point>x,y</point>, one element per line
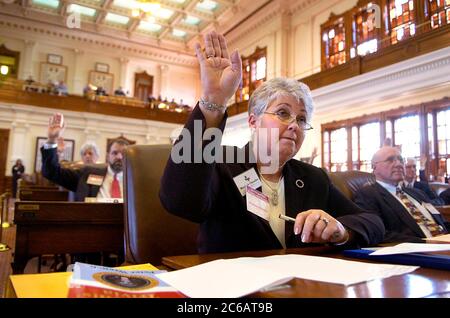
<point>11,94</point>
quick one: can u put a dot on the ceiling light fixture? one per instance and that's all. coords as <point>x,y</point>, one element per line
<point>4,70</point>
<point>145,8</point>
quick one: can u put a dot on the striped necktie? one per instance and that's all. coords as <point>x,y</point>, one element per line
<point>431,225</point>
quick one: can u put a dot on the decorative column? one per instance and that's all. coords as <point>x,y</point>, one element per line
<point>282,45</point>
<point>20,145</point>
<point>79,80</point>
<point>92,134</point>
<point>150,136</point>
<point>27,68</point>
<point>124,74</point>
<point>163,80</point>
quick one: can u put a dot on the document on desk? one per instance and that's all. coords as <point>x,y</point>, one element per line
<point>404,248</point>
<point>242,276</point>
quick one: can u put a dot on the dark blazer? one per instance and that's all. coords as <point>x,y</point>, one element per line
<point>400,226</point>
<point>17,172</point>
<point>72,179</point>
<point>206,193</point>
<point>445,196</point>
<point>432,196</point>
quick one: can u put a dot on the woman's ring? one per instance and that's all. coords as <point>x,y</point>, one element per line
<point>325,220</point>
<point>209,56</point>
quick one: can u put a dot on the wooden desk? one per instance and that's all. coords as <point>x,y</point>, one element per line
<point>49,285</point>
<point>43,195</point>
<point>37,187</point>
<point>66,227</point>
<point>423,282</point>
<point>445,211</point>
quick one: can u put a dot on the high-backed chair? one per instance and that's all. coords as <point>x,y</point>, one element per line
<point>349,182</point>
<point>150,231</point>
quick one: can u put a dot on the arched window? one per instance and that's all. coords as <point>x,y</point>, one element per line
<point>254,73</point>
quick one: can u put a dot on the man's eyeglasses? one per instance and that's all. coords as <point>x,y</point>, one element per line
<point>288,118</point>
<point>391,159</point>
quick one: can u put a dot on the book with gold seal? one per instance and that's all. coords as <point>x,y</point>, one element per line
<point>93,281</point>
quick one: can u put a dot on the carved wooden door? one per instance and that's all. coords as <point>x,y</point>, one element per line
<point>143,86</point>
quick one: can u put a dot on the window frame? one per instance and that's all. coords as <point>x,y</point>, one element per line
<point>250,60</point>
<point>422,23</point>
<point>422,110</point>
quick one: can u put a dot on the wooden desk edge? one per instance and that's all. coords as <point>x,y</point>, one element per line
<point>9,291</point>
<point>167,261</point>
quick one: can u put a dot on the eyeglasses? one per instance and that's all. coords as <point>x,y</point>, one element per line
<point>391,159</point>
<point>288,118</point>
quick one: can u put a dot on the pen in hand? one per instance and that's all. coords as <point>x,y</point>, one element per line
<point>286,218</point>
<point>289,219</point>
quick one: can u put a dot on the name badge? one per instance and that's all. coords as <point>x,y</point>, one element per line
<point>247,178</point>
<point>95,180</point>
<point>430,208</point>
<point>257,203</point>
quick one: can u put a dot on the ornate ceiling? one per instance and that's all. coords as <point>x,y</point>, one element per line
<point>176,23</point>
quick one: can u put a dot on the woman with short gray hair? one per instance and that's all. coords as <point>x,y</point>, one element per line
<point>267,200</point>
<point>276,87</point>
<point>89,153</point>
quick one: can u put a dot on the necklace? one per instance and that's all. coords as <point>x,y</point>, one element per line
<point>274,194</point>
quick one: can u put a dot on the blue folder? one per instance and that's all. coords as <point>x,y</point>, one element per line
<point>436,261</point>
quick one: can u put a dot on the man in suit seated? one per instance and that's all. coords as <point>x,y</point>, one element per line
<point>445,196</point>
<point>119,92</point>
<point>405,218</point>
<point>100,91</point>
<point>89,181</point>
<point>411,181</point>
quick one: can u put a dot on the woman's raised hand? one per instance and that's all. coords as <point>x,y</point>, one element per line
<point>220,73</point>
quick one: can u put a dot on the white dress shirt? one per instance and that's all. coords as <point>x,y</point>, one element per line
<point>105,189</point>
<point>278,225</point>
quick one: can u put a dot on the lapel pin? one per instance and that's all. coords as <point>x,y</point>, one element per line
<point>299,183</point>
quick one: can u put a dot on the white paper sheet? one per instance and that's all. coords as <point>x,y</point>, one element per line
<point>242,276</point>
<point>441,238</point>
<point>411,248</point>
<point>222,279</point>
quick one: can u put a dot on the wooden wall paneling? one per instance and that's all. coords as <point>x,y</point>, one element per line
<point>4,140</point>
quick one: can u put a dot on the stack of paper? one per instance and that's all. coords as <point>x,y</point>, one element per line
<point>242,276</point>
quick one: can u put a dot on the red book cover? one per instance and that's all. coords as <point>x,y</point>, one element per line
<point>80,291</point>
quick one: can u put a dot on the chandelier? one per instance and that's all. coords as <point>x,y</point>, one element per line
<point>144,9</point>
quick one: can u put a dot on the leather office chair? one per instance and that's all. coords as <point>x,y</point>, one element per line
<point>349,182</point>
<point>150,231</point>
